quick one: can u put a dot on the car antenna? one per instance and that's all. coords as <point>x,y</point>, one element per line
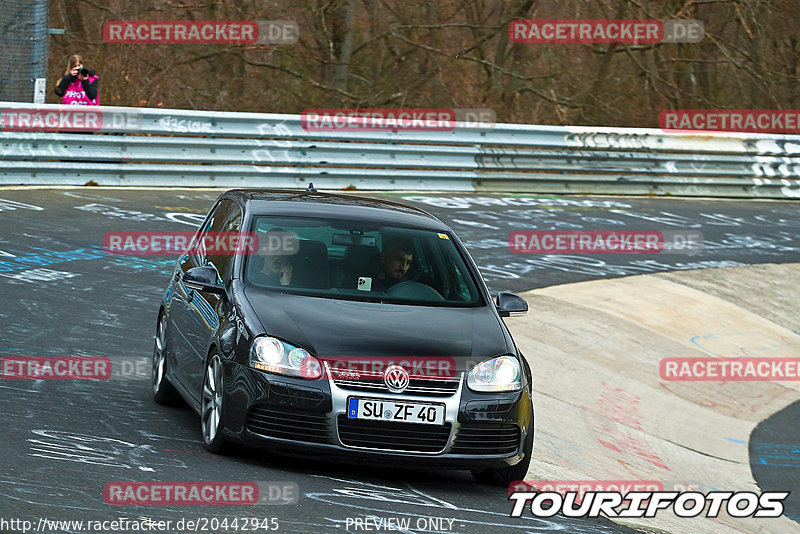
<point>311,188</point>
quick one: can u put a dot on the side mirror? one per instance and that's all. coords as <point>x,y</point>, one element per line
<point>203,279</point>
<point>510,305</point>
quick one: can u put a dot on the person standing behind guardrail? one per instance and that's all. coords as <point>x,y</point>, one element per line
<point>79,86</point>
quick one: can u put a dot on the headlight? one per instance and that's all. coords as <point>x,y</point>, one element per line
<point>498,374</point>
<point>275,356</point>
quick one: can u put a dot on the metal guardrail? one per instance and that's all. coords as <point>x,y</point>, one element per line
<point>161,147</point>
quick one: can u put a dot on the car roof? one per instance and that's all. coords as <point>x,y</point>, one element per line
<point>282,202</point>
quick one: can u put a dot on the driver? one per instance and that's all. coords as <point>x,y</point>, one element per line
<point>396,258</point>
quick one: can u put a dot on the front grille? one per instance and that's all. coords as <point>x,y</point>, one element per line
<point>289,424</point>
<point>486,438</point>
<point>418,385</point>
<point>412,437</point>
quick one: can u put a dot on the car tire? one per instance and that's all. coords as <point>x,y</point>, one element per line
<point>506,475</point>
<point>212,420</point>
<point>163,392</point>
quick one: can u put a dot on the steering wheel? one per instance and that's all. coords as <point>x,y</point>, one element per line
<point>415,291</point>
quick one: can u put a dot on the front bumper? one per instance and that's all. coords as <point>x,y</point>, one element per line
<point>309,417</point>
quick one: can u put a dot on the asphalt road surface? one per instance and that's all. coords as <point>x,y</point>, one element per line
<point>775,456</point>
<point>64,296</point>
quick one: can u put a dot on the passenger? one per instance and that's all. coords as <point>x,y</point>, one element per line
<point>276,271</point>
<point>396,258</point>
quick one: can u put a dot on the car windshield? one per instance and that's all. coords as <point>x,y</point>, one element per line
<point>359,261</point>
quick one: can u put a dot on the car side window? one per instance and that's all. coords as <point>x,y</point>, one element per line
<point>223,259</point>
<point>214,223</point>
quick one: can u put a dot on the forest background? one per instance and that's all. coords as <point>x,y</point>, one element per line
<point>443,54</point>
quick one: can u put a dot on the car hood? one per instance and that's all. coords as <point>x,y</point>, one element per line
<point>332,328</point>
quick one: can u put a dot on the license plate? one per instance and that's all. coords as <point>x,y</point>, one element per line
<point>399,412</point>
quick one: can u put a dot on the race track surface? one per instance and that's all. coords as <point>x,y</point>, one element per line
<point>775,456</point>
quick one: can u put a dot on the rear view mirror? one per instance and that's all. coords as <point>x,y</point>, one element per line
<point>510,305</point>
<point>353,239</point>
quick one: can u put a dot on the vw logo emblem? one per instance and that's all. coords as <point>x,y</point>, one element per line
<point>396,378</point>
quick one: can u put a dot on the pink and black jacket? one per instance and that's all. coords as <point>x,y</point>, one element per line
<point>79,93</point>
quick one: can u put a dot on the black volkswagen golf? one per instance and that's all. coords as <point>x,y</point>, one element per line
<point>355,327</point>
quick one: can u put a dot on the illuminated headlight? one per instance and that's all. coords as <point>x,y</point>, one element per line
<point>498,374</point>
<point>275,356</point>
